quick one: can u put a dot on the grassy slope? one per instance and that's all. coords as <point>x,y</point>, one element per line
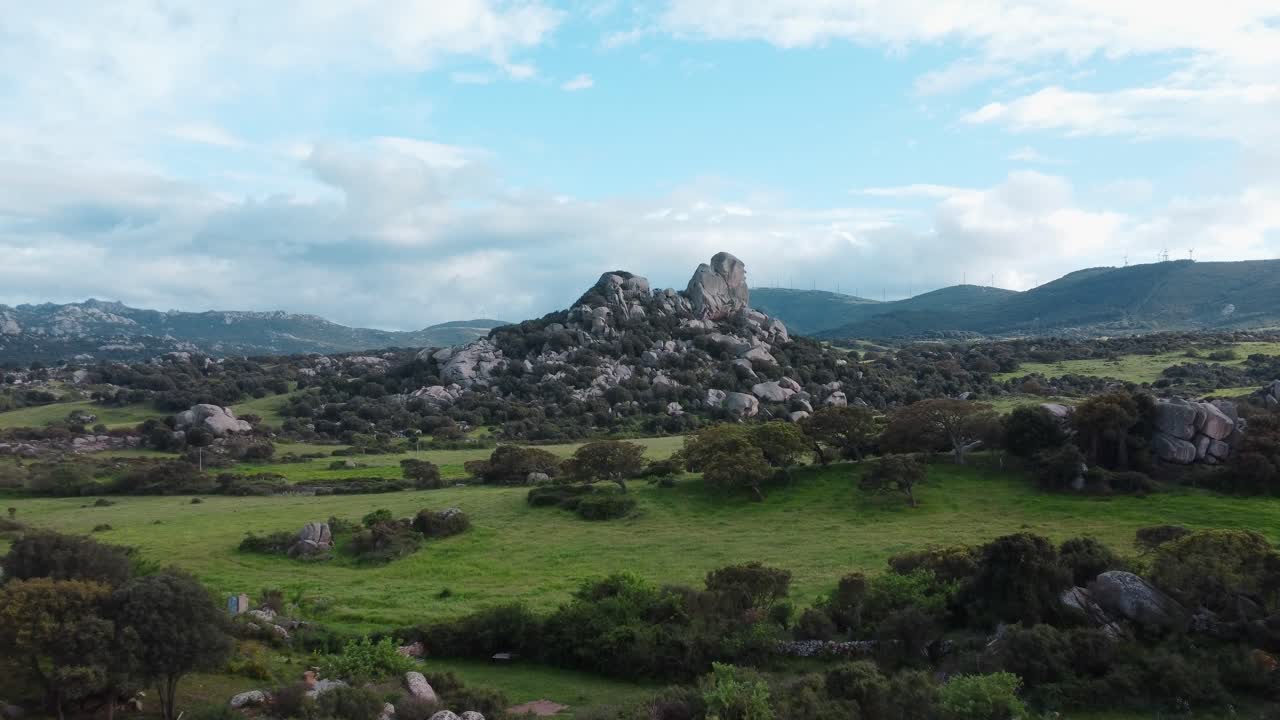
<point>820,528</point>
<point>41,415</point>
<point>1134,368</point>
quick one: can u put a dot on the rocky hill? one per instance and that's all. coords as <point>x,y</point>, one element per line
<point>625,348</point>
<point>95,330</point>
<point>1168,296</point>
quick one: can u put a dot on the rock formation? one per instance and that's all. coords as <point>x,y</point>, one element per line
<point>217,420</point>
<point>718,290</point>
<point>313,539</point>
<point>1188,432</point>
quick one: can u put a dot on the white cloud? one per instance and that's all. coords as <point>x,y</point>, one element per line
<point>207,134</point>
<point>579,82</point>
<point>958,76</point>
<point>919,190</point>
<point>1028,154</point>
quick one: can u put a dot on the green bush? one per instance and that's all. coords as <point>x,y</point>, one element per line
<point>276,543</point>
<point>292,701</point>
<point>413,708</point>
<point>862,682</point>
<point>982,697</point>
<point>349,703</point>
<point>732,693</point>
<point>604,506</point>
<point>376,517</point>
<point>913,695</point>
<point>364,660</point>
<point>947,563</point>
<point>384,542</point>
<point>1150,538</point>
<point>1087,558</point>
<point>445,523</point>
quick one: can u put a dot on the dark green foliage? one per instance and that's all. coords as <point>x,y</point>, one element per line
<point>1103,423</point>
<point>566,496</point>
<point>350,703</point>
<point>751,586</point>
<point>603,506</point>
<point>66,557</point>
<point>375,517</point>
<point>847,430</point>
<point>782,443</point>
<point>172,626</point>
<point>1058,469</point>
<point>485,632</point>
<point>363,660</point>
<point>611,460</point>
<point>214,711</point>
<point>292,701</point>
<point>1019,579</point>
<point>1150,538</point>
<point>948,564</point>
<point>862,682</point>
<point>384,542</point>
<point>895,474</point>
<point>815,624</point>
<point>1087,558</point>
<point>168,478</point>
<point>64,479</point>
<point>982,697</point>
<point>1032,430</point>
<point>441,524</point>
<point>914,696</point>
<point>276,543</point>
<point>727,457</point>
<point>423,474</point>
<point>1212,568</point>
<point>409,707</point>
<point>512,465</point>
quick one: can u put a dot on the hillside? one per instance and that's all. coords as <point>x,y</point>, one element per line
<point>1179,295</point>
<point>111,330</point>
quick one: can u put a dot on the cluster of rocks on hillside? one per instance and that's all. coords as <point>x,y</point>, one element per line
<point>715,304</point>
<point>1270,395</point>
<point>1189,432</point>
<point>415,685</point>
<point>219,421</point>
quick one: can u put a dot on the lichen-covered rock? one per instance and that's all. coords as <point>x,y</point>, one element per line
<point>252,698</point>
<point>472,715</point>
<point>742,404</point>
<point>771,392</point>
<point>1172,449</point>
<point>1079,600</point>
<point>1177,418</point>
<point>718,290</point>
<point>716,398</point>
<point>1126,595</point>
<point>836,399</point>
<point>219,421</point>
<point>445,715</point>
<point>418,687</point>
<point>1217,425</point>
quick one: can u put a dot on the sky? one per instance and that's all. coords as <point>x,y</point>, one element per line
<point>398,163</point>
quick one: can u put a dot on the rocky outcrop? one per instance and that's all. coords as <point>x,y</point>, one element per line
<point>219,421</point>
<point>772,392</point>
<point>718,290</point>
<point>252,698</point>
<point>1189,432</point>
<point>1080,601</point>
<point>742,405</point>
<point>1123,594</point>
<point>1269,395</point>
<point>438,395</point>
<point>315,538</point>
<point>468,365</point>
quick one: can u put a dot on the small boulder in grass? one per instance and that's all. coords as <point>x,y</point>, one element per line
<point>419,688</point>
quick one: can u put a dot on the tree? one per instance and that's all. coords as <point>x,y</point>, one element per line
<point>171,626</point>
<point>781,442</point>
<point>727,458</point>
<point>66,557</point>
<point>751,586</point>
<point>1032,429</point>
<point>1107,418</point>
<point>846,429</point>
<point>56,632</point>
<point>612,460</point>
<point>1019,579</point>
<point>895,473</point>
<point>424,474</point>
<point>930,424</point>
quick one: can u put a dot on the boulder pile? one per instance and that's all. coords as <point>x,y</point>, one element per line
<point>217,420</point>
<point>315,538</point>
<point>1270,395</point>
<point>1188,432</point>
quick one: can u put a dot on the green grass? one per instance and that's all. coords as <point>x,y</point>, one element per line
<point>523,683</point>
<point>1135,368</point>
<point>112,417</point>
<point>388,466</point>
<point>820,528</point>
<point>268,408</point>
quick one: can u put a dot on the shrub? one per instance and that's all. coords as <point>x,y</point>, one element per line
<point>485,632</point>
<point>292,701</point>
<point>1019,579</point>
<point>731,693</point>
<point>276,543</point>
<point>557,495</point>
<point>349,703</point>
<point>749,586</point>
<point>1087,558</point>
<point>66,557</point>
<point>381,515</point>
<point>913,695</point>
<point>424,475</point>
<point>1059,468</point>
<point>953,563</point>
<point>982,697</point>
<point>447,522</point>
<point>103,502</point>
<point>1031,430</point>
<point>1150,538</point>
<point>364,660</point>
<point>815,624</point>
<point>1211,568</point>
<point>604,506</point>
<point>415,708</point>
<point>860,681</point>
<point>385,542</point>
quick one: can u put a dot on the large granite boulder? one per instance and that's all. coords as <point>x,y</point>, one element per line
<point>419,688</point>
<point>219,421</point>
<point>718,290</point>
<point>252,698</point>
<point>315,538</point>
<point>1126,595</point>
<point>716,398</point>
<point>742,404</point>
<point>1173,449</point>
<point>1177,418</point>
<point>1080,601</point>
<point>471,364</point>
<point>1217,424</point>
<point>772,392</point>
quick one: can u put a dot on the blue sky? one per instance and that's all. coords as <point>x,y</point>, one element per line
<point>404,162</point>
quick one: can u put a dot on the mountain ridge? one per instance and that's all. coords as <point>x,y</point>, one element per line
<point>104,329</point>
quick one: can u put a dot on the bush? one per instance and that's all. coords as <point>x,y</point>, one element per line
<point>604,506</point>
<point>447,522</point>
<point>377,516</point>
<point>1087,558</point>
<point>1031,430</point>
<point>364,660</point>
<point>292,701</point>
<point>276,543</point>
<point>349,703</point>
<point>732,693</point>
<point>385,542</point>
<point>424,475</point>
<point>1150,538</point>
<point>1058,469</point>
<point>860,681</point>
<point>485,632</point>
<point>565,496</point>
<point>982,697</point>
<point>1019,579</point>
<point>815,624</point>
<point>1212,568</point>
<point>913,696</point>
<point>953,563</point>
<point>66,557</point>
<point>409,707</point>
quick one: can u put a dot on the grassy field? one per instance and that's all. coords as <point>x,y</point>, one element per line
<point>112,417</point>
<point>450,461</point>
<point>1134,368</point>
<point>821,527</point>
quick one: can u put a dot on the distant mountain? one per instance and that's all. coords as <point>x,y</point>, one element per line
<point>111,330</point>
<point>1178,295</point>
